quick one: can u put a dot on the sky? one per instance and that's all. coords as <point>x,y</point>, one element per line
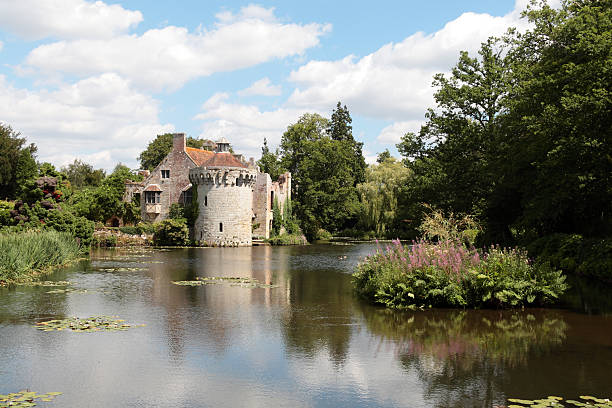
<point>98,80</point>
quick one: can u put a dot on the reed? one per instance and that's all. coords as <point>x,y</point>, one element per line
<point>22,254</point>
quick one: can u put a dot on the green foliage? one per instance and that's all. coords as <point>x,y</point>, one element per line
<point>269,162</point>
<point>171,232</point>
<point>450,275</point>
<point>323,174</point>
<point>22,253</point>
<point>286,239</point>
<point>520,136</point>
<point>289,221</point>
<point>159,148</point>
<point>192,210</point>
<point>436,226</point>
<point>323,235</point>
<point>379,196</point>
<point>277,219</point>
<point>81,174</point>
<point>17,163</point>
<point>574,254</point>
<point>176,211</point>
<point>381,157</point>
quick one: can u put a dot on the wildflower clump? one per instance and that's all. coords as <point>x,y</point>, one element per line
<point>451,273</point>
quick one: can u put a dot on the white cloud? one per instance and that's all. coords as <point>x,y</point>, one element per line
<point>171,56</point>
<point>100,119</point>
<point>35,19</point>
<point>393,133</point>
<point>1,45</point>
<point>262,87</point>
<point>245,126</point>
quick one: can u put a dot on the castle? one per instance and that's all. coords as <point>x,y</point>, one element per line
<point>234,198</point>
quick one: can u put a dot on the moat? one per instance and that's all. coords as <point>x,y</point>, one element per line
<point>307,342</point>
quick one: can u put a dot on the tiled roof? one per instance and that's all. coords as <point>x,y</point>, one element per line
<point>199,156</point>
<point>153,187</point>
<point>223,159</point>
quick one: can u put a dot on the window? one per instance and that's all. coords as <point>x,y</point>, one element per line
<point>187,197</point>
<point>220,227</point>
<point>206,200</point>
<point>271,199</point>
<point>165,174</point>
<point>152,197</point>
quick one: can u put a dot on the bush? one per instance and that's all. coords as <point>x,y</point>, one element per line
<point>171,232</point>
<point>449,274</point>
<point>323,235</point>
<point>131,230</point>
<point>575,254</point>
<point>22,253</point>
<point>287,239</point>
<point>146,228</point>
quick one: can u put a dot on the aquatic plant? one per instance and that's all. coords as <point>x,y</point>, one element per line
<point>90,324</point>
<point>233,281</point>
<point>22,253</point>
<point>25,398</point>
<point>45,283</point>
<point>558,402</point>
<point>449,273</point>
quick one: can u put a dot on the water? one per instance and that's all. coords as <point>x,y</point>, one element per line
<point>307,343</point>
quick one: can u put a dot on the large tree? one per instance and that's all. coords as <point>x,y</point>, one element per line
<point>323,179</point>
<point>340,128</point>
<point>17,163</point>
<point>81,174</point>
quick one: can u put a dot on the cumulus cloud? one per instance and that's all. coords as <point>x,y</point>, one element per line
<point>245,126</point>
<point>35,19</point>
<point>262,87</point>
<point>102,118</point>
<point>169,57</point>
<point>393,133</point>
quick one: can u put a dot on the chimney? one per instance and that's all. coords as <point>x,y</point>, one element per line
<point>178,142</point>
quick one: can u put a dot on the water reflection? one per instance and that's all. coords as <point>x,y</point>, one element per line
<point>308,342</point>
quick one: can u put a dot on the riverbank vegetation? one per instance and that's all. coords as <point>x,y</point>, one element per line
<point>519,138</point>
<point>27,252</point>
<point>445,270</point>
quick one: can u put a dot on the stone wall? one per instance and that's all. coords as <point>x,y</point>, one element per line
<point>225,201</point>
<point>261,205</point>
<point>178,163</point>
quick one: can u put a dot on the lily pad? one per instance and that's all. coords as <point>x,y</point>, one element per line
<point>68,290</point>
<point>45,283</point>
<point>25,398</point>
<point>231,280</point>
<point>90,324</point>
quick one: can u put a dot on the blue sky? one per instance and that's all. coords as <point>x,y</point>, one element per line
<point>98,80</point>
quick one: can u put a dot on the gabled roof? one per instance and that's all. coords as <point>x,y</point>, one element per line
<point>153,187</point>
<point>223,159</point>
<point>198,156</point>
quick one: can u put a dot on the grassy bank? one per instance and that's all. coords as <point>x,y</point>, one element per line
<point>450,274</point>
<point>287,239</point>
<point>23,254</point>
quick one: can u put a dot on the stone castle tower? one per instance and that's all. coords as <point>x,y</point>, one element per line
<point>225,200</point>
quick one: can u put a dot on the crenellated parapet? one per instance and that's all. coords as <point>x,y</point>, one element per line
<point>223,176</point>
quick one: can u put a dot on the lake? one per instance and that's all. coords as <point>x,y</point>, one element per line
<point>306,342</point>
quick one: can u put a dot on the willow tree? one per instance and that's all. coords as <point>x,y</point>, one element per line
<point>379,194</point>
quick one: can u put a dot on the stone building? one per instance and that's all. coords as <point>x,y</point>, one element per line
<point>235,200</point>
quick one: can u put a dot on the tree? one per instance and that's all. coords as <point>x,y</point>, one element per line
<point>269,162</point>
<point>559,118</point>
<point>323,175</point>
<point>81,174</point>
<point>381,157</point>
<point>379,196</point>
<point>159,148</point>
<point>17,163</point>
<point>340,129</point>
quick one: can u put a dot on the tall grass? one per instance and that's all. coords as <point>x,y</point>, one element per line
<point>22,253</point>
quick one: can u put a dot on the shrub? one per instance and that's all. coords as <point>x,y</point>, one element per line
<point>575,254</point>
<point>287,239</point>
<point>449,274</point>
<point>146,228</point>
<point>323,235</point>
<point>171,232</point>
<point>176,211</point>
<point>22,253</point>
<point>131,230</point>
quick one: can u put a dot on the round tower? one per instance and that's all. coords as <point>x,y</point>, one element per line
<point>225,202</point>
